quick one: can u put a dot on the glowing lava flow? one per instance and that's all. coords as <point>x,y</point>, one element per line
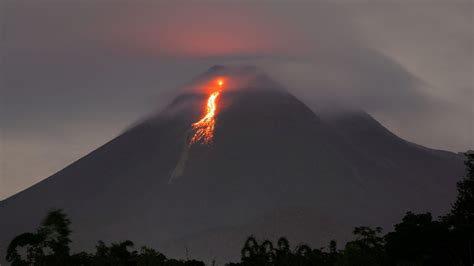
<point>204,128</point>
<point>203,131</point>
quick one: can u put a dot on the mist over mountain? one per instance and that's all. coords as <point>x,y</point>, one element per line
<point>275,167</point>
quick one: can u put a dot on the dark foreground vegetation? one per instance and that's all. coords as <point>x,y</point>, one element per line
<point>417,240</point>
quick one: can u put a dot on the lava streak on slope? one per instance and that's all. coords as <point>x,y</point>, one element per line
<point>204,128</point>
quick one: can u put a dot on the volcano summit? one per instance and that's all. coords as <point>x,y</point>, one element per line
<point>274,168</point>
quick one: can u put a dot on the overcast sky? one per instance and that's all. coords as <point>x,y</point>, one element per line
<point>74,74</point>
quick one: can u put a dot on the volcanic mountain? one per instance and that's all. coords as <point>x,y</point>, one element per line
<point>274,168</point>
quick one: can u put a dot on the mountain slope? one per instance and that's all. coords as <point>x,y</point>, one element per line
<point>271,157</point>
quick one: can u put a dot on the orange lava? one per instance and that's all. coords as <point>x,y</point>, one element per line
<point>204,128</point>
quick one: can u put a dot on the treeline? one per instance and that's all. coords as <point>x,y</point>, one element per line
<point>417,240</point>
<point>49,246</point>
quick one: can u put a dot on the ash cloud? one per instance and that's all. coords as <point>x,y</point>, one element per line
<point>98,66</point>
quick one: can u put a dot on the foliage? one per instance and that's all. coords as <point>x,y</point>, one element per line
<point>460,220</point>
<point>49,245</point>
<point>367,249</point>
<point>265,252</point>
<point>420,240</point>
<point>462,212</point>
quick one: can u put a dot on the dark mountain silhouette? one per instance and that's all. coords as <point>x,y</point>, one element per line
<point>274,168</point>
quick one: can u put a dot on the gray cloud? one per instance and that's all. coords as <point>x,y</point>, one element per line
<point>75,74</point>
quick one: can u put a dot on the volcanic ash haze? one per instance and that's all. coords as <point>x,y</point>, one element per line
<point>273,168</point>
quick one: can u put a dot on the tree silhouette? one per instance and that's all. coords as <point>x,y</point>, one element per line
<point>461,218</point>
<point>367,249</point>
<point>150,257</point>
<point>56,232</point>
<point>420,240</point>
<point>49,245</point>
<point>255,253</point>
<point>462,212</point>
<point>118,254</point>
<point>265,252</point>
<point>30,242</point>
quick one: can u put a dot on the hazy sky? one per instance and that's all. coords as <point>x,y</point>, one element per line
<point>74,74</point>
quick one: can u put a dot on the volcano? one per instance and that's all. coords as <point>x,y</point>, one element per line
<point>274,168</point>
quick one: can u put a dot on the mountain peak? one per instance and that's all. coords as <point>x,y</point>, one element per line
<point>238,80</point>
<point>237,77</point>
